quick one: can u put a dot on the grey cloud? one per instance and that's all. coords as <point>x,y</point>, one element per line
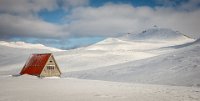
<point>107,20</point>
<point>190,5</point>
<point>110,19</point>
<point>29,27</point>
<point>26,6</point>
<point>187,5</point>
<point>19,18</point>
<point>34,6</point>
<point>67,4</point>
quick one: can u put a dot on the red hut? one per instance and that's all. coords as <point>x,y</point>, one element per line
<point>42,65</point>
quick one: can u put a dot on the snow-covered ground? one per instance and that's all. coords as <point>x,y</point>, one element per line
<point>156,64</point>
<point>29,88</point>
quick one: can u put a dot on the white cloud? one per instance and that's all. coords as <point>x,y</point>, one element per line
<point>19,18</point>
<point>34,6</point>
<point>110,19</point>
<point>107,20</point>
<point>29,27</point>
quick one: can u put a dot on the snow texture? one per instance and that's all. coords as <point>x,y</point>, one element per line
<point>30,88</point>
<point>156,64</point>
<point>181,67</point>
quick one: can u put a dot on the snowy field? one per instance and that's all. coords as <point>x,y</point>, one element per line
<point>154,65</point>
<point>29,88</point>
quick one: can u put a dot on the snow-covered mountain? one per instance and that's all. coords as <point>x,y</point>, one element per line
<point>147,40</point>
<point>20,44</point>
<point>174,61</point>
<point>180,67</point>
<point>160,56</point>
<point>112,51</point>
<point>157,34</point>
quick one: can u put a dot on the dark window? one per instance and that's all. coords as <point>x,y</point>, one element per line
<point>50,67</point>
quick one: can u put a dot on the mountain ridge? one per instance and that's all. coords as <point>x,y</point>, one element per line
<point>159,34</point>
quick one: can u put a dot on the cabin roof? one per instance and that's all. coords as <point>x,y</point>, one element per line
<point>35,64</point>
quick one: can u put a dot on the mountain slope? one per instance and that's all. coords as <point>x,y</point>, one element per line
<point>147,40</point>
<point>158,34</point>
<point>119,59</point>
<point>181,67</point>
<point>112,51</point>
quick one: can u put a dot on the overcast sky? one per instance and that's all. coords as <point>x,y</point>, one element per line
<point>74,23</point>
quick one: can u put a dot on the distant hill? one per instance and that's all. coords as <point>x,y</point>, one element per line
<point>20,44</point>
<point>157,34</point>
